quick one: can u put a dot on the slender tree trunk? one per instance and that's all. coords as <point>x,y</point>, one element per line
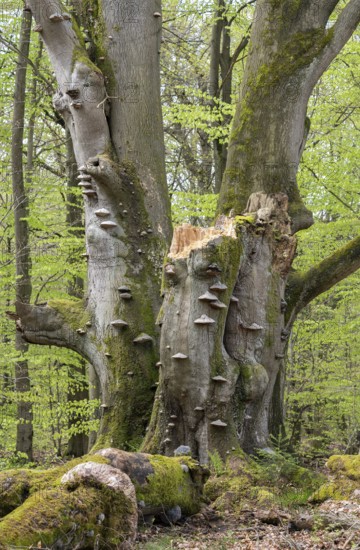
<point>24,433</point>
<point>78,442</point>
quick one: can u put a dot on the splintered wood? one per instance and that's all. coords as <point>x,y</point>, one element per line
<point>187,237</point>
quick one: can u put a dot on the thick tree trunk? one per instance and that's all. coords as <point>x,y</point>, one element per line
<point>24,431</point>
<point>222,340</point>
<point>111,106</point>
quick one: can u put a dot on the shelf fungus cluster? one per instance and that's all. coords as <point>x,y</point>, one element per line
<point>125,292</point>
<point>85,180</point>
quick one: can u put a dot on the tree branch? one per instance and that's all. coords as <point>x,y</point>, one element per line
<point>344,27</point>
<point>305,287</point>
<point>47,326</point>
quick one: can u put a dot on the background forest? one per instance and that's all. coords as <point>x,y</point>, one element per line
<point>203,51</point>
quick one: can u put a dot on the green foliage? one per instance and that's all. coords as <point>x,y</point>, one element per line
<point>193,208</point>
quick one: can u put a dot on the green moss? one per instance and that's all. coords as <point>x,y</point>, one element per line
<point>43,508</point>
<point>73,312</point>
<point>347,465</point>
<point>52,514</point>
<point>170,485</point>
<point>264,497</point>
<point>241,220</point>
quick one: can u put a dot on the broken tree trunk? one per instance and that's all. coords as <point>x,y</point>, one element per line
<point>222,339</point>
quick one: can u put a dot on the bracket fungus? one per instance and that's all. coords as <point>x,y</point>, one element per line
<point>143,338</point>
<point>125,296</point>
<point>217,305</point>
<point>102,213</point>
<point>158,364</point>
<point>37,28</point>
<point>199,409</point>
<point>218,287</point>
<point>204,320</point>
<point>171,425</point>
<point>208,297</point>
<point>81,331</point>
<point>84,177</point>
<point>108,225</point>
<point>124,289</point>
<point>234,300</point>
<point>219,379</point>
<point>90,193</point>
<point>253,326</point>
<point>219,423</point>
<point>179,356</point>
<point>85,184</point>
<point>119,323</point>
<point>56,17</point>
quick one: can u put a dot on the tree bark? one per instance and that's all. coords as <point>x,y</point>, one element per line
<point>24,430</point>
<point>112,110</point>
<point>225,387</point>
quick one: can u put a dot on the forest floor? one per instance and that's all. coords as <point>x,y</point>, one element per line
<point>262,529</point>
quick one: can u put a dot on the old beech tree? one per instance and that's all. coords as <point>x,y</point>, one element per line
<point>199,338</point>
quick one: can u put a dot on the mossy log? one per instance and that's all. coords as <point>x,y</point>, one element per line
<point>95,501</point>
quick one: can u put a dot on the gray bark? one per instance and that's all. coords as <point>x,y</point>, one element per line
<point>111,107</point>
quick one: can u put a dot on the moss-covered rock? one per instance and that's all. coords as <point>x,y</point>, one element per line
<point>92,501</point>
<point>345,476</point>
<point>63,518</point>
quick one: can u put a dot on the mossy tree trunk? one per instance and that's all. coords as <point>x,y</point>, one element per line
<point>109,98</point>
<point>225,387</point>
